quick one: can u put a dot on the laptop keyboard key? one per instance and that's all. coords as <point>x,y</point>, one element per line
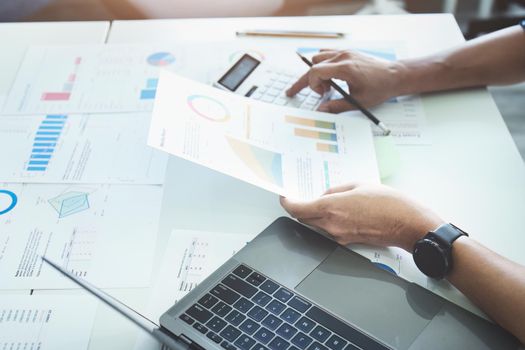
<point>320,333</point>
<point>235,318</point>
<point>227,346</point>
<point>257,313</point>
<point>336,343</point>
<point>259,347</point>
<point>301,340</point>
<point>244,342</point>
<point>242,271</point>
<point>299,304</point>
<point>264,335</point>
<point>186,319</point>
<point>278,343</point>
<point>305,324</point>
<point>230,333</point>
<point>283,295</point>
<point>214,337</point>
<point>216,324</point>
<point>225,294</point>
<point>256,279</point>
<point>351,346</point>
<point>221,309</point>
<point>272,322</point>
<point>200,328</point>
<point>269,286</point>
<point>286,331</point>
<point>208,301</point>
<point>317,346</point>
<point>199,313</point>
<point>249,327</point>
<point>240,286</point>
<point>243,305</point>
<point>275,307</point>
<point>290,315</point>
<point>261,298</point>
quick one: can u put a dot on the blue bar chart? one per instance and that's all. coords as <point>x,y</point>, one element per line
<point>45,142</point>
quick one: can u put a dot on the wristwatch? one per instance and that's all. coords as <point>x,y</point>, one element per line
<point>433,253</point>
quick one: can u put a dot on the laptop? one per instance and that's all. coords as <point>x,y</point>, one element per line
<point>292,288</point>
<point>258,80</point>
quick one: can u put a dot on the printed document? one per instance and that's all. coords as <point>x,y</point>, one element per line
<point>287,151</point>
<point>45,322</point>
<point>96,148</point>
<point>103,233</point>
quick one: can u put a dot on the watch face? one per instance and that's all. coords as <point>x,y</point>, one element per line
<point>430,258</point>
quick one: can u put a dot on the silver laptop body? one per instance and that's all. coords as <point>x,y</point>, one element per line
<point>358,305</point>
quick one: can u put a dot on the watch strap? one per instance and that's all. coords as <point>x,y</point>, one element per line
<point>446,234</point>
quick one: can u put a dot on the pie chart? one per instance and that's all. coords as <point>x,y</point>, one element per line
<point>161,59</point>
<point>8,201</point>
<point>208,108</point>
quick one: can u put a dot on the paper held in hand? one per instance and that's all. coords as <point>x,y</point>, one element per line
<point>284,150</point>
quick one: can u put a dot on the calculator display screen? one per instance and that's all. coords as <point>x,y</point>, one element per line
<point>239,72</point>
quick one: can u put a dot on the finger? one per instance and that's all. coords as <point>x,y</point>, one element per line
<point>343,188</point>
<point>300,84</point>
<point>302,209</point>
<point>323,56</point>
<point>335,106</point>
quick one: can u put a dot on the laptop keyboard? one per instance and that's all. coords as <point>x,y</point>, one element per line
<point>274,91</point>
<point>248,311</point>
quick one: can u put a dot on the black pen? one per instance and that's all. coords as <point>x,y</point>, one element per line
<point>352,100</point>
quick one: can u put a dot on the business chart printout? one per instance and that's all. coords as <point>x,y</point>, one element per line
<point>189,258</point>
<point>283,150</point>
<point>45,322</point>
<point>103,233</point>
<point>89,79</point>
<point>97,148</point>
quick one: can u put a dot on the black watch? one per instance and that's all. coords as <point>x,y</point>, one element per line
<point>433,253</point>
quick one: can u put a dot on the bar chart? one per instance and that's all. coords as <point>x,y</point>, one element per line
<point>67,87</point>
<point>45,142</point>
<point>323,133</point>
<point>149,92</point>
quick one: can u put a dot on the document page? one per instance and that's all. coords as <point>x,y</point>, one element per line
<point>89,79</point>
<point>283,150</point>
<point>103,233</point>
<point>46,322</point>
<point>96,148</point>
<point>189,258</point>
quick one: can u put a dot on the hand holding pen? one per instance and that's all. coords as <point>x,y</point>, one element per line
<point>371,81</point>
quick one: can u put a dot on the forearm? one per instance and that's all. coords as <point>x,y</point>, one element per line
<point>494,283</point>
<point>494,59</point>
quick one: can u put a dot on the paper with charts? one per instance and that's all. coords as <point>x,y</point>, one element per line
<point>283,150</point>
<point>96,148</point>
<point>45,322</point>
<point>189,258</point>
<point>89,79</point>
<point>104,233</point>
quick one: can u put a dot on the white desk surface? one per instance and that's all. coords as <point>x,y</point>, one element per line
<point>472,173</point>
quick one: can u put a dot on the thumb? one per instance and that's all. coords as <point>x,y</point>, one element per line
<point>301,209</point>
<point>336,106</point>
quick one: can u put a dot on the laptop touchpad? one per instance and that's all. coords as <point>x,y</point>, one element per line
<point>385,306</point>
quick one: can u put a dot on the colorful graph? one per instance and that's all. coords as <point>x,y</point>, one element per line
<point>67,88</point>
<point>314,134</point>
<point>161,59</point>
<point>234,56</point>
<point>208,108</point>
<point>11,197</point>
<point>310,122</point>
<point>327,147</point>
<point>69,203</point>
<point>45,142</point>
<point>149,92</point>
<point>321,131</point>
<point>265,164</point>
